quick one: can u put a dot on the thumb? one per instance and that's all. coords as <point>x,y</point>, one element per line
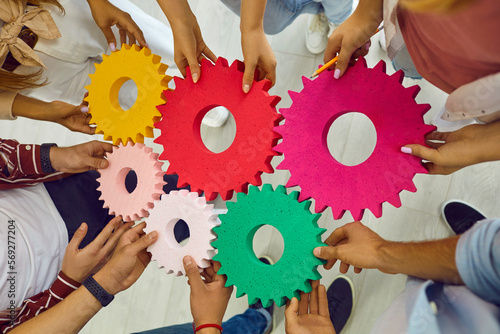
<point>423,152</point>
<point>193,273</point>
<point>291,312</point>
<point>248,77</point>
<point>110,37</point>
<point>327,253</point>
<point>195,70</point>
<point>74,243</point>
<point>342,63</point>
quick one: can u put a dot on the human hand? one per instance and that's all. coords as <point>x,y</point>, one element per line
<point>107,15</point>
<point>455,150</point>
<point>78,264</point>
<point>209,297</point>
<point>310,315</point>
<point>80,158</point>
<point>258,55</point>
<point>353,244</point>
<point>351,39</point>
<point>73,117</point>
<point>128,261</point>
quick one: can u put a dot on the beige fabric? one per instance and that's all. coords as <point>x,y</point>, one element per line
<point>16,14</point>
<point>6,102</point>
<point>393,37</point>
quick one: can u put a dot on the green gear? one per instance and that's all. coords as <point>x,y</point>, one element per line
<point>300,232</point>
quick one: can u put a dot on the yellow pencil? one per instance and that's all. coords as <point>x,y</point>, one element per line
<point>333,61</point>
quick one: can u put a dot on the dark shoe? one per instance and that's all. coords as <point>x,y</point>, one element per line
<point>460,215</point>
<point>258,305</point>
<point>340,296</point>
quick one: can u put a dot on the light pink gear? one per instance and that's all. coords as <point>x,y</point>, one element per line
<point>198,215</point>
<point>397,119</point>
<point>142,160</point>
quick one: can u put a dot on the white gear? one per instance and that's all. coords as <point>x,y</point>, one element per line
<point>200,218</point>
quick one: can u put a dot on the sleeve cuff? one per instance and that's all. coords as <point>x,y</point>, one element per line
<point>64,285</point>
<point>6,101</point>
<point>45,158</point>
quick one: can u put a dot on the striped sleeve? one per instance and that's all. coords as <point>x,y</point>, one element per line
<point>21,165</point>
<point>35,305</point>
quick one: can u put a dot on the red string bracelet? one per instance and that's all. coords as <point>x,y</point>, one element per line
<point>196,329</point>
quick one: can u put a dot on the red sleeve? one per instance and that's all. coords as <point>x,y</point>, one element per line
<point>35,305</point>
<point>20,165</point>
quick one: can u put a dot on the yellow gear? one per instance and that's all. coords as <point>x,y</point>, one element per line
<point>148,73</point>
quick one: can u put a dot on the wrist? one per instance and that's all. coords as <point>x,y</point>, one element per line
<point>387,262</point>
<point>54,158</point>
<point>209,330</point>
<point>107,282</point>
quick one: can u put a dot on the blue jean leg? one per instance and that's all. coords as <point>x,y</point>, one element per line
<point>281,13</point>
<point>77,200</point>
<point>251,322</point>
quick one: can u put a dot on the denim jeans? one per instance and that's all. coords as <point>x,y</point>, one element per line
<point>251,322</point>
<point>403,61</point>
<point>281,13</point>
<point>77,200</point>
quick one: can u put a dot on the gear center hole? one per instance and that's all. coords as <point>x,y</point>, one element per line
<point>177,233</point>
<point>268,241</point>
<point>131,181</point>
<point>124,94</point>
<point>351,138</point>
<point>217,129</point>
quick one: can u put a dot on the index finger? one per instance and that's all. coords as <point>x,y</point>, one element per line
<point>338,235</point>
<point>134,29</point>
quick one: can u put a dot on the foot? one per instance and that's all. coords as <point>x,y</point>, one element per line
<point>460,215</point>
<point>317,32</point>
<point>258,306</point>
<point>340,296</point>
<point>216,117</point>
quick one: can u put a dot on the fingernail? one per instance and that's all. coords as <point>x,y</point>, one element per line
<point>152,235</point>
<point>195,77</point>
<point>317,251</point>
<point>112,46</point>
<point>81,227</point>
<point>246,88</point>
<point>187,260</point>
<point>336,74</point>
<point>85,109</point>
<point>406,150</point>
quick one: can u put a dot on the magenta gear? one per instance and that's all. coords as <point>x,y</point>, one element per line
<point>397,118</point>
<point>142,160</point>
<point>199,217</point>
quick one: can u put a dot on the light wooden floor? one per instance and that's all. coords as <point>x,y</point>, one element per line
<point>158,299</point>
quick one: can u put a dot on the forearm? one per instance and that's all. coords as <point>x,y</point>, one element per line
<point>30,108</point>
<point>177,12</point>
<point>252,15</point>
<point>371,12</point>
<point>69,316</point>
<point>433,260</point>
<point>489,145</point>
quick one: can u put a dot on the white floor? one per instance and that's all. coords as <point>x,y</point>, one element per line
<point>158,299</point>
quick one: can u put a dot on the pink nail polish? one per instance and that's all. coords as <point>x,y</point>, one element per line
<point>246,88</point>
<point>367,46</point>
<point>406,150</point>
<point>336,74</point>
<point>85,109</point>
<point>112,46</point>
<point>195,77</point>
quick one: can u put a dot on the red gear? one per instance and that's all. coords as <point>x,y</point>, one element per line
<point>251,152</point>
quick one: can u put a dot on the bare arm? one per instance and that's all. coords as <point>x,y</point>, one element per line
<point>355,244</point>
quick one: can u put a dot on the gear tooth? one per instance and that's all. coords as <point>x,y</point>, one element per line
<point>303,196</point>
<point>239,65</point>
<point>211,195</point>
<point>207,63</point>
<point>306,205</point>
<point>263,85</point>
<point>267,187</point>
<point>268,168</point>
<point>425,108</point>
<point>285,111</point>
<point>411,187</point>
<point>380,66</point>
<point>194,196</point>
<point>239,293</point>
<point>413,90</point>
<point>273,100</point>
<point>240,196</point>
<point>280,189</point>
<point>320,231</point>
<point>230,205</point>
<point>361,62</point>
<point>294,195</point>
<point>320,207</point>
<point>338,214</point>
<point>215,243</point>
<point>395,201</point>
<point>266,303</point>
<point>296,294</point>
<point>305,82</point>
<point>222,62</point>
<point>376,210</point>
<point>398,76</point>
<point>358,214</point>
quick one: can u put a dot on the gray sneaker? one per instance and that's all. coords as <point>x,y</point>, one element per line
<point>317,32</point>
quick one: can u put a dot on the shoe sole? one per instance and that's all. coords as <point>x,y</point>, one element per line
<point>441,209</point>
